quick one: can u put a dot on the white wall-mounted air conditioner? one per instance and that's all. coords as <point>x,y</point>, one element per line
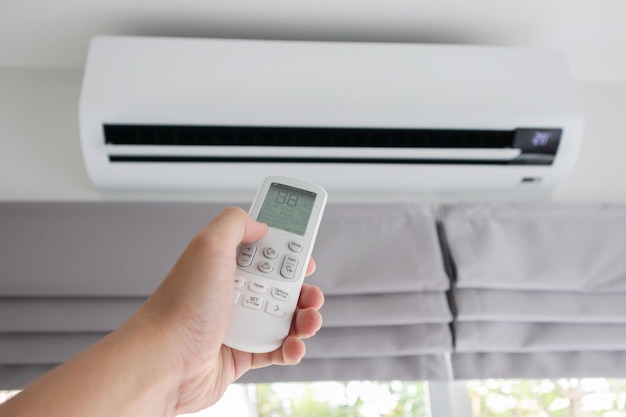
<point>214,114</point>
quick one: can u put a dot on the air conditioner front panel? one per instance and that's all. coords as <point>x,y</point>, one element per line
<point>322,86</point>
<point>359,179</point>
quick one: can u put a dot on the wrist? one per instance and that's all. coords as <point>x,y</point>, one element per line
<point>155,366</point>
<point>131,372</point>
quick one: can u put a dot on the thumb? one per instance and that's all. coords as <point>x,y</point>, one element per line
<point>207,266</point>
<point>232,227</point>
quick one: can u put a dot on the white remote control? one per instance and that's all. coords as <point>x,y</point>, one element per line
<point>270,271</point>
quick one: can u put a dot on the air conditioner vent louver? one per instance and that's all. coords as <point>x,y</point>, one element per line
<point>115,134</point>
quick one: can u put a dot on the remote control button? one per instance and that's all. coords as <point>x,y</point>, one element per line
<point>252,301</point>
<point>288,269</point>
<point>270,253</point>
<point>258,287</point>
<point>237,297</point>
<point>295,246</point>
<point>280,294</point>
<point>266,267</point>
<point>246,255</point>
<point>275,309</point>
<point>239,282</point>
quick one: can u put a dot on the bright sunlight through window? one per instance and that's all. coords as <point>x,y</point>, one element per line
<point>587,397</point>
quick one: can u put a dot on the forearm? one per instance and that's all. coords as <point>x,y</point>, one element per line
<point>128,373</point>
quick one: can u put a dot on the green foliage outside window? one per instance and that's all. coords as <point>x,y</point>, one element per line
<point>589,397</point>
<point>343,399</point>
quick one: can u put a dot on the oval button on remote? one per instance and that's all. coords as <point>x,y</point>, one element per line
<point>295,246</point>
<point>288,269</point>
<point>246,255</point>
<point>258,286</point>
<point>280,294</point>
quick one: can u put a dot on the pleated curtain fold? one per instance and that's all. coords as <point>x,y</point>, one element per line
<point>413,291</point>
<point>73,272</point>
<point>539,290</point>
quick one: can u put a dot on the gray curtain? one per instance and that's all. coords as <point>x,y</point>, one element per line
<point>540,290</point>
<point>72,272</point>
<point>537,290</point>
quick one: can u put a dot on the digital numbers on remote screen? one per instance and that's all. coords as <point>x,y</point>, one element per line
<point>287,208</point>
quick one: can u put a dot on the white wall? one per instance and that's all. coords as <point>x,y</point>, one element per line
<point>600,173</point>
<point>40,156</point>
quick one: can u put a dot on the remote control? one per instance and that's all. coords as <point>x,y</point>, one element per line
<point>270,271</point>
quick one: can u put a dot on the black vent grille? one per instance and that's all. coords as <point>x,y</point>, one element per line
<point>537,146</point>
<point>116,134</point>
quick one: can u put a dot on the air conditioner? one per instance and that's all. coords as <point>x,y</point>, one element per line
<point>218,115</point>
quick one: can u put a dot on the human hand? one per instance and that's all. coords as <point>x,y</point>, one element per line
<point>194,304</point>
<point>168,358</point>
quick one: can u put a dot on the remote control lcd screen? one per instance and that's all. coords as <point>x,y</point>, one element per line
<point>287,208</point>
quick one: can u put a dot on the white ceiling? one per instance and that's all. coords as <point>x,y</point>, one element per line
<point>56,33</point>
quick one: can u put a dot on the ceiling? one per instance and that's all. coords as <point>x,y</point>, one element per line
<point>56,34</point>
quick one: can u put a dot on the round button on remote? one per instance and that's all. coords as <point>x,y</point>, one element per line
<point>270,253</point>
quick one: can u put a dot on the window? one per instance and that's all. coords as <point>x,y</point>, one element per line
<point>328,399</point>
<point>587,397</point>
<point>5,395</point>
